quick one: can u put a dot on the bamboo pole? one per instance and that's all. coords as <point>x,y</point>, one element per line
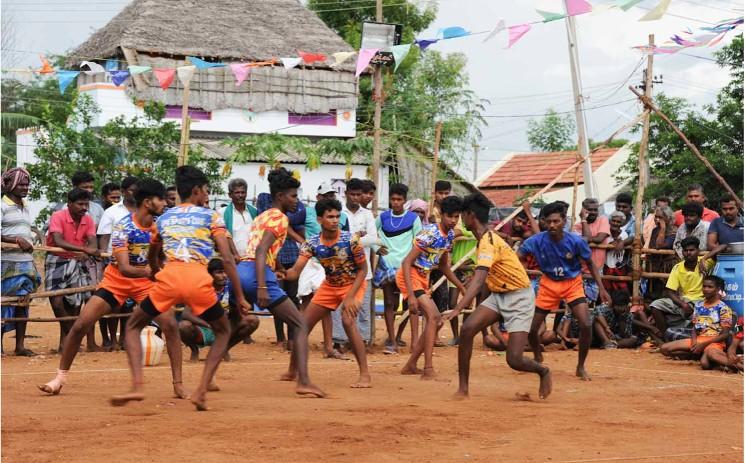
<point>183,152</point>
<point>649,104</point>
<point>435,161</point>
<point>75,317</point>
<point>57,292</point>
<point>50,249</point>
<point>575,186</point>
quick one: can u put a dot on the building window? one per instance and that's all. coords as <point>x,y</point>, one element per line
<point>196,114</point>
<point>328,118</point>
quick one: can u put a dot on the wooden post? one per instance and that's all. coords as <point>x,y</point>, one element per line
<point>636,257</point>
<point>435,161</point>
<point>575,187</point>
<point>131,56</point>
<point>183,152</point>
<point>650,105</point>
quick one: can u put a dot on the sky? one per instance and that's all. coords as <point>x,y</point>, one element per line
<point>520,83</point>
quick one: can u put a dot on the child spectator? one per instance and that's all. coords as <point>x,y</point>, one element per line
<point>614,323</point>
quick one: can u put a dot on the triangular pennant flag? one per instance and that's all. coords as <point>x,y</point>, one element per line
<point>93,68</point>
<point>65,78</point>
<point>46,68</point>
<point>497,29</point>
<point>575,7</point>
<point>341,56</point>
<point>118,77</point>
<point>112,65</point>
<point>202,64</point>
<point>364,58</point>
<point>290,63</point>
<point>424,43</point>
<point>240,71</point>
<point>399,54</point>
<point>185,74</point>
<point>453,32</point>
<point>516,33</point>
<point>549,16</point>
<point>656,13</point>
<point>310,58</point>
<point>717,39</point>
<point>602,8</point>
<point>626,5</point>
<point>164,76</point>
<point>134,70</point>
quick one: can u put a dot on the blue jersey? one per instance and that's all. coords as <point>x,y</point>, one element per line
<point>128,236</point>
<point>557,260</point>
<point>433,245</point>
<point>188,233</point>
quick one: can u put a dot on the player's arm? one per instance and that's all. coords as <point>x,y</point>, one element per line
<point>595,271</point>
<point>294,272</point>
<point>351,305</point>
<point>291,233</point>
<point>262,294</point>
<point>186,315</point>
<point>473,290</point>
<point>448,272</point>
<point>406,269</point>
<point>127,269</point>
<point>154,254</point>
<point>234,250</point>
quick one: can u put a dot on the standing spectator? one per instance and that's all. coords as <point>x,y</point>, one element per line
<point>71,229</point>
<point>624,203</point>
<point>725,229</point>
<point>693,226</point>
<point>111,194</point>
<point>649,222</point>
<point>85,181</point>
<point>171,197</point>
<point>368,193</point>
<point>19,275</point>
<point>594,228</point>
<point>662,237</point>
<point>117,212</point>
<point>521,227</point>
<point>696,195</point>
<point>616,260</point>
<point>238,216</point>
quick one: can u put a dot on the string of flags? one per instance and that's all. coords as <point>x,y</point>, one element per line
<point>705,36</point>
<point>241,70</point>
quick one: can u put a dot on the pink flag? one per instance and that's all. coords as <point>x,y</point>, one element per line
<point>516,33</point>
<point>363,59</point>
<point>240,71</point>
<point>575,7</point>
<point>164,76</point>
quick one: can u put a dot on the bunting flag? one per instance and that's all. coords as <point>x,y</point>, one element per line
<point>725,26</point>
<point>202,64</point>
<point>575,7</point>
<point>112,65</point>
<point>93,68</point>
<point>424,43</point>
<point>118,77</point>
<point>656,13</point>
<point>626,5</point>
<point>366,54</point>
<point>240,71</point>
<point>310,58</point>
<point>497,29</point>
<point>185,74</point>
<point>134,70</point>
<point>516,33</point>
<point>65,78</point>
<point>46,68</point>
<point>342,56</point>
<point>165,77</point>
<point>549,16</point>
<point>399,54</point>
<point>453,32</point>
<point>290,63</point>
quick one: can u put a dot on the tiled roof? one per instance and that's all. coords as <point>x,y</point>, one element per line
<point>507,197</point>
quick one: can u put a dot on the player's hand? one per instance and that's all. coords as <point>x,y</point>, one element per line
<point>462,289</point>
<point>244,306</point>
<point>605,297</point>
<point>24,245</point>
<point>698,348</point>
<point>449,315</point>
<point>382,251</point>
<point>281,274</point>
<point>413,305</point>
<point>351,306</point>
<point>237,259</point>
<point>262,294</point>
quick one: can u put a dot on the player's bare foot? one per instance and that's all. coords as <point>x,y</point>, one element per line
<point>122,399</point>
<point>212,386</point>
<point>583,374</point>
<point>93,348</point>
<point>363,382</point>
<point>25,353</point>
<point>309,390</point>
<point>289,376</point>
<point>538,356</point>
<point>546,384</point>
<point>429,374</point>
<point>226,357</point>
<point>409,370</point>
<point>200,401</point>
<point>179,392</point>
<point>523,396</point>
<point>51,388</point>
<point>460,395</point>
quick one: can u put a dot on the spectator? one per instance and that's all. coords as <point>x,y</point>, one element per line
<point>238,216</point>
<point>725,229</point>
<point>19,275</point>
<point>443,189</point>
<point>696,195</point>
<point>683,289</point>
<point>616,260</point>
<point>649,222</point>
<point>734,351</point>
<point>117,212</point>
<point>594,228</point>
<point>624,203</point>
<point>662,237</point>
<point>171,197</point>
<point>85,181</point>
<point>111,194</point>
<point>693,226</point>
<point>614,323</point>
<point>368,193</point>
<point>520,228</point>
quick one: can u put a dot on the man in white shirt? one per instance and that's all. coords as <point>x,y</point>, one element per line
<point>238,216</point>
<point>115,213</point>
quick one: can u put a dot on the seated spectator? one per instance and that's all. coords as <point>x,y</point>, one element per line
<point>734,351</point>
<point>649,222</point>
<point>693,226</point>
<point>683,289</point>
<point>569,329</point>
<point>725,229</point>
<point>712,321</point>
<point>662,237</point>
<point>696,195</point>
<point>614,324</point>
<point>616,260</point>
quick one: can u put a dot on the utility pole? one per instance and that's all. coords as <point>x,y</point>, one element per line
<point>476,148</point>
<point>583,144</point>
<point>378,97</point>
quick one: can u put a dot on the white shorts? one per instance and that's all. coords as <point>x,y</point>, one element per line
<point>516,308</point>
<point>310,278</point>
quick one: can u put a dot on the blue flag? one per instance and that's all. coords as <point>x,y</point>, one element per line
<point>118,77</point>
<point>65,78</point>
<point>202,64</point>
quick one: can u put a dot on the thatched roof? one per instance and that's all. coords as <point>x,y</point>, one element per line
<point>240,30</point>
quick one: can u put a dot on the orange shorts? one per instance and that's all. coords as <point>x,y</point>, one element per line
<point>123,288</point>
<point>714,345</point>
<point>419,282</point>
<point>552,292</point>
<point>331,297</point>
<point>183,283</point>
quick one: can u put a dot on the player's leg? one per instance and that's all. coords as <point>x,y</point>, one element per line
<point>534,336</point>
<point>311,316</point>
<point>426,343</point>
<point>517,361</point>
<point>167,322</point>
<point>140,318</point>
<point>481,318</point>
<point>581,313</point>
<point>217,319</point>
<point>358,345</point>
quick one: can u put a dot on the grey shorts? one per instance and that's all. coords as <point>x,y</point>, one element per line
<point>674,315</point>
<point>515,307</point>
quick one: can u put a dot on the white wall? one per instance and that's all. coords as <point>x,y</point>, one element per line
<point>114,102</point>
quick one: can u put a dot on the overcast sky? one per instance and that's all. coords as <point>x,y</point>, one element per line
<point>529,78</point>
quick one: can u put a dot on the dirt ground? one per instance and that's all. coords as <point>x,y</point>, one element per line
<point>639,407</point>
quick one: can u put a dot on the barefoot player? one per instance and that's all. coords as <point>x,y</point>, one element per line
<point>511,298</point>
<point>126,277</point>
<point>343,259</point>
<point>432,247</point>
<point>259,281</point>
<point>560,256</point>
<point>187,234</point>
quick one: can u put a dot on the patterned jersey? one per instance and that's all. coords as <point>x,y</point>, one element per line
<point>188,233</point>
<point>710,321</point>
<point>272,220</point>
<point>127,235</point>
<point>340,258</point>
<point>433,245</point>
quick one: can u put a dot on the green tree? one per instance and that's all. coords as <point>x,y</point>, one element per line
<point>717,132</point>
<point>551,133</point>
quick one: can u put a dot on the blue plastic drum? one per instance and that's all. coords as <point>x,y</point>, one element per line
<point>729,268</point>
